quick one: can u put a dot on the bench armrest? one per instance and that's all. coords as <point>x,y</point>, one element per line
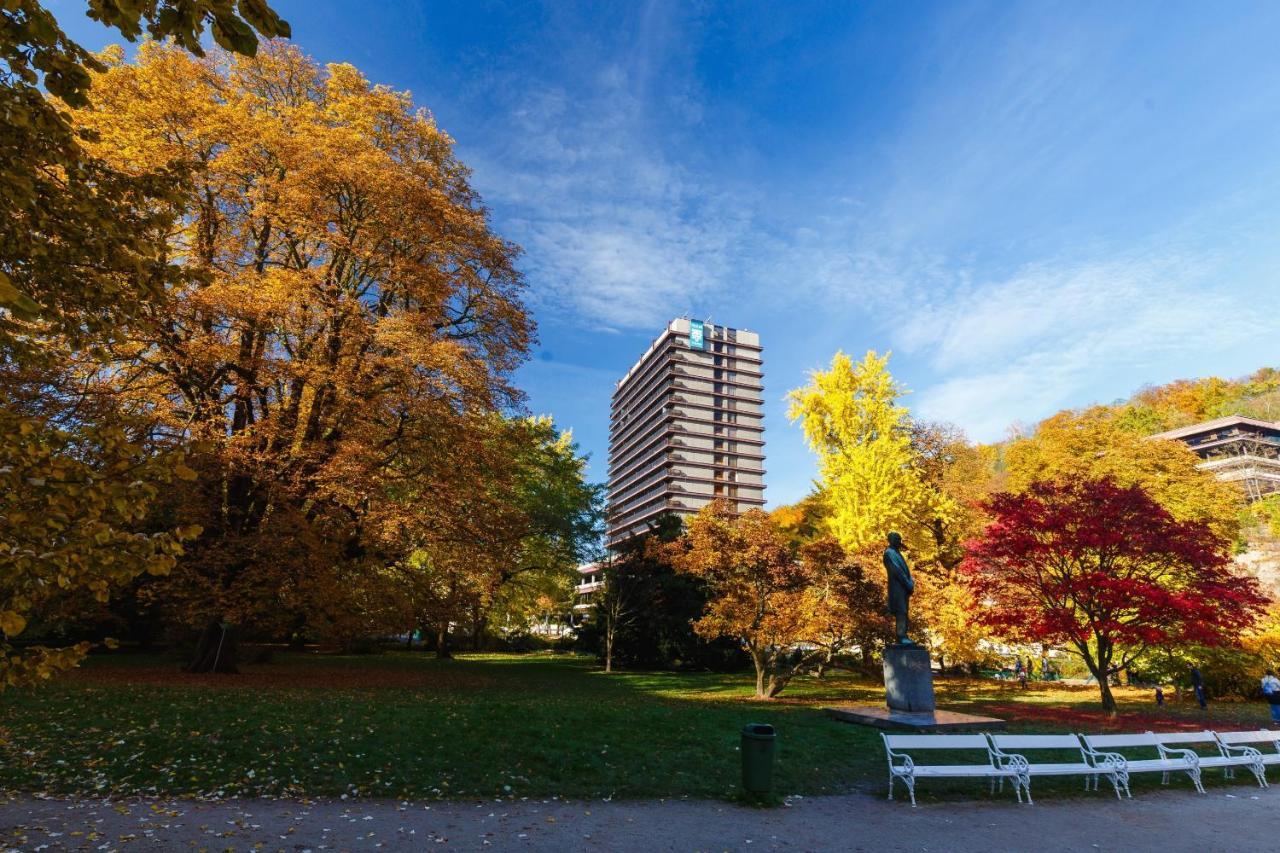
<point>1188,755</point>
<point>1106,760</point>
<point>904,764</point>
<point>1002,760</point>
<point>1243,751</point>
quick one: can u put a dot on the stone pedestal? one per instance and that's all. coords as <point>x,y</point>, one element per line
<point>908,679</point>
<point>908,692</point>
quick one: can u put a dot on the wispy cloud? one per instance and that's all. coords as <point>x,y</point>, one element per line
<point>1051,336</point>
<point>615,226</point>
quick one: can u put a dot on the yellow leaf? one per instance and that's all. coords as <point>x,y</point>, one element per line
<point>12,623</point>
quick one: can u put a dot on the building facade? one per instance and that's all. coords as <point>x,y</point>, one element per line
<point>1236,449</point>
<point>686,427</point>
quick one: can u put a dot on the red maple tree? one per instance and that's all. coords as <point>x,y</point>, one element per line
<point>1107,572</point>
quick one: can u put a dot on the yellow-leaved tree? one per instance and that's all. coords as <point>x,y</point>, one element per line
<point>870,481</point>
<point>881,471</point>
<point>1094,443</point>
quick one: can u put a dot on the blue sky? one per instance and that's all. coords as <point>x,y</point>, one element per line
<point>1034,206</point>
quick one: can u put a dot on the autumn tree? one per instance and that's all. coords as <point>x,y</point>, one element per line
<point>77,258</point>
<point>498,532</point>
<point>842,608</point>
<point>963,475</point>
<point>755,590</point>
<point>1094,444</point>
<point>881,471</point>
<point>559,526</point>
<point>862,437</point>
<point>1106,571</point>
<point>345,325</point>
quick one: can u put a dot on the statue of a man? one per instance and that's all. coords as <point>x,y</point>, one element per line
<point>900,586</point>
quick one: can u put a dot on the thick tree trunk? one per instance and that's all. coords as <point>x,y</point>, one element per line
<point>442,643</point>
<point>1098,668</point>
<point>760,662</point>
<point>608,650</point>
<point>216,650</point>
<point>1108,701</point>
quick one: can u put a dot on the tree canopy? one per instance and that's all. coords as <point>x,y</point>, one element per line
<point>1106,571</point>
<point>78,256</point>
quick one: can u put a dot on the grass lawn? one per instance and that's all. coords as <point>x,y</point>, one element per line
<point>404,725</point>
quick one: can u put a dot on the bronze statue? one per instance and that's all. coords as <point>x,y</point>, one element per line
<point>900,586</point>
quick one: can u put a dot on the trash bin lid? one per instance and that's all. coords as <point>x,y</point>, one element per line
<point>758,730</point>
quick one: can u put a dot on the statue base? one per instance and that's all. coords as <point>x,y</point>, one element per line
<point>908,693</point>
<point>908,679</point>
<point>880,717</point>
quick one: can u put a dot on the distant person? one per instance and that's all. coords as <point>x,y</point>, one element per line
<point>1020,672</point>
<point>1271,692</point>
<point>1197,684</point>
<point>1159,696</point>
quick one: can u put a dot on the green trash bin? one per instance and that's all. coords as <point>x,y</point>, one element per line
<point>757,758</point>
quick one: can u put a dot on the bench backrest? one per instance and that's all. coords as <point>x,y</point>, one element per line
<point>1114,741</point>
<point>1182,738</point>
<point>1257,736</point>
<point>899,743</point>
<point>1017,742</point>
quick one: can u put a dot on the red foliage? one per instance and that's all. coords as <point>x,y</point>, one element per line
<point>1080,719</point>
<point>1100,565</point>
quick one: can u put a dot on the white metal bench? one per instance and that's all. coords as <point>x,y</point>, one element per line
<point>1100,751</point>
<point>1006,748</point>
<point>1263,745</point>
<point>903,766</point>
<point>1228,761</point>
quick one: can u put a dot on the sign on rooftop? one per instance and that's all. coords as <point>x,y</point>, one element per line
<point>695,335</point>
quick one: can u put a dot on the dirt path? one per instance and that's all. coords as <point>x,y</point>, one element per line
<point>1174,821</point>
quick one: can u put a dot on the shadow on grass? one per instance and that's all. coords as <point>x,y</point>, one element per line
<point>480,726</point>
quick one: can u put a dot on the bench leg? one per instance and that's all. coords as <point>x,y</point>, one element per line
<point>1194,773</point>
<point>910,782</point>
<point>1114,779</point>
<point>1259,773</point>
<point>891,785</point>
<point>1026,786</point>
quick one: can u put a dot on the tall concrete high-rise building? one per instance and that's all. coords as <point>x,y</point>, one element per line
<point>687,427</point>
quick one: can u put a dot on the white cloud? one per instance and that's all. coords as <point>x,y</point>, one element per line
<point>589,179</point>
<point>1053,336</point>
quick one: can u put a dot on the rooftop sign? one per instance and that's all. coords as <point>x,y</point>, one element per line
<point>695,335</point>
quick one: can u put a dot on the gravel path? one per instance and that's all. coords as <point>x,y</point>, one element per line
<point>1168,821</point>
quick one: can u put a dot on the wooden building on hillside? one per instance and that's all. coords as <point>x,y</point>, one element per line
<point>1236,449</point>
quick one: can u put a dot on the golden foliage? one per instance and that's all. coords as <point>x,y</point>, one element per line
<point>1093,444</point>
